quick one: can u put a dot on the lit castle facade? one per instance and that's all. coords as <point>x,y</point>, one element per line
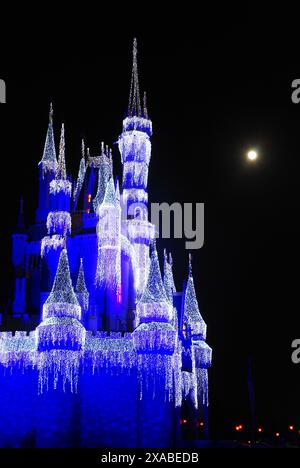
<point>112,355</point>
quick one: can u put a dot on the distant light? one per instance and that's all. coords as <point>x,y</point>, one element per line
<point>239,428</point>
<point>252,155</point>
<point>201,424</point>
<point>277,434</point>
<point>259,429</point>
<point>291,428</point>
<point>184,421</point>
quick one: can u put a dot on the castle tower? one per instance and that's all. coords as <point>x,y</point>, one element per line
<point>192,316</point>
<point>105,172</point>
<point>154,332</point>
<point>135,149</point>
<point>47,171</point>
<point>59,218</point>
<point>80,177</point>
<point>19,239</point>
<point>201,353</point>
<point>60,335</point>
<point>108,273</point>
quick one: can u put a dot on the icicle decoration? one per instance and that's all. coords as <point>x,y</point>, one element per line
<point>59,221</point>
<point>51,242</point>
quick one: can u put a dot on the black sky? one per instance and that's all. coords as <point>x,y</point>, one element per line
<point>217,85</point>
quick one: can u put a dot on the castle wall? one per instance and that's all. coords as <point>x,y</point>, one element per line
<point>106,412</point>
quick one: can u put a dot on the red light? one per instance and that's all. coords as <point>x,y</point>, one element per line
<point>259,429</point>
<point>201,424</point>
<point>119,297</point>
<point>299,432</point>
<point>237,428</point>
<point>277,434</point>
<point>291,428</point>
<point>184,421</point>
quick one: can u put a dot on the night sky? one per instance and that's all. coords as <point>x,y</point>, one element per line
<point>216,87</point>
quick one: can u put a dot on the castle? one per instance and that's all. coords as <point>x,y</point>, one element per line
<point>113,355</point>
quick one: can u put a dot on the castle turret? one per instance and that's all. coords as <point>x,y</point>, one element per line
<point>201,353</point>
<point>105,172</point>
<point>192,316</point>
<point>108,272</point>
<point>80,177</point>
<point>154,332</point>
<point>61,327</point>
<point>135,149</point>
<point>60,336</point>
<point>47,171</point>
<point>59,218</point>
<point>168,277</point>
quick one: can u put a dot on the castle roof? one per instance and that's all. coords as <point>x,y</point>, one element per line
<point>62,289</point>
<point>192,313</point>
<point>155,290</point>
<point>49,161</point>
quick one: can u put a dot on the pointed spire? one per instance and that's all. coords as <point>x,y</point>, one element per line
<point>49,161</point>
<point>62,290</point>
<point>81,175</point>
<point>145,111</point>
<point>61,168</point>
<point>80,283</point>
<point>168,278</point>
<point>110,194</point>
<point>154,291</point>
<point>192,315</point>
<point>81,289</point>
<point>82,149</point>
<point>118,197</point>
<point>134,106</point>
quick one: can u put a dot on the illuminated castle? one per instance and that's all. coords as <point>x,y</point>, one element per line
<point>115,356</point>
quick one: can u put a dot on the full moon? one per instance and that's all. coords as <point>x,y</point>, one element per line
<point>252,155</point>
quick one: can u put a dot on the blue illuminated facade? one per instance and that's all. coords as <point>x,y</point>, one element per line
<point>112,355</point>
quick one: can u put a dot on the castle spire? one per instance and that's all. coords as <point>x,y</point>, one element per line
<point>49,161</point>
<point>192,315</point>
<point>62,290</point>
<point>145,111</point>
<point>118,197</point>
<point>110,194</point>
<point>134,105</point>
<point>80,283</point>
<point>155,290</point>
<point>168,278</point>
<point>81,289</point>
<point>61,168</point>
<point>82,149</point>
<point>81,175</point>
